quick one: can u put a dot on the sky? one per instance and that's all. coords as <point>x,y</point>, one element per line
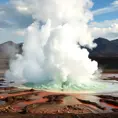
<point>15,18</point>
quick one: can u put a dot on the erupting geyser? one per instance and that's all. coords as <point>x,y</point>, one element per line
<point>51,55</point>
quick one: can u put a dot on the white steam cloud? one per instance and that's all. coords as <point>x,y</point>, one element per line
<point>50,51</point>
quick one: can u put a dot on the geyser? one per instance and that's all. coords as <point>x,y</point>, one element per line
<point>51,56</point>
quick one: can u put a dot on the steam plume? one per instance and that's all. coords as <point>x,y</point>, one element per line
<point>50,51</point>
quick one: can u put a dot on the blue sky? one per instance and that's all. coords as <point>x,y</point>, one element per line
<point>13,22</point>
<point>101,3</point>
<point>3,1</point>
<point>98,4</point>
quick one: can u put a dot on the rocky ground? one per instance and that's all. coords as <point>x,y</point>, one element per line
<point>18,103</point>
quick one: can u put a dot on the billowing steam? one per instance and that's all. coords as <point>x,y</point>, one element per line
<point>51,55</point>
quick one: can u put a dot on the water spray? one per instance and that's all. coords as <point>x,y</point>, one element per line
<point>51,56</point>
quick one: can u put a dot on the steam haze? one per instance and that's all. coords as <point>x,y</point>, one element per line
<point>50,51</point>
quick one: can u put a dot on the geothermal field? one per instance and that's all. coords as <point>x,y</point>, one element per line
<point>52,75</point>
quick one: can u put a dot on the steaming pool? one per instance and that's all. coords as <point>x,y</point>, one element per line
<point>95,86</point>
<point>91,86</point>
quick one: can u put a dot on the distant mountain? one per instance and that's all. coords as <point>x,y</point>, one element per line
<point>9,49</point>
<point>115,41</point>
<point>105,48</point>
